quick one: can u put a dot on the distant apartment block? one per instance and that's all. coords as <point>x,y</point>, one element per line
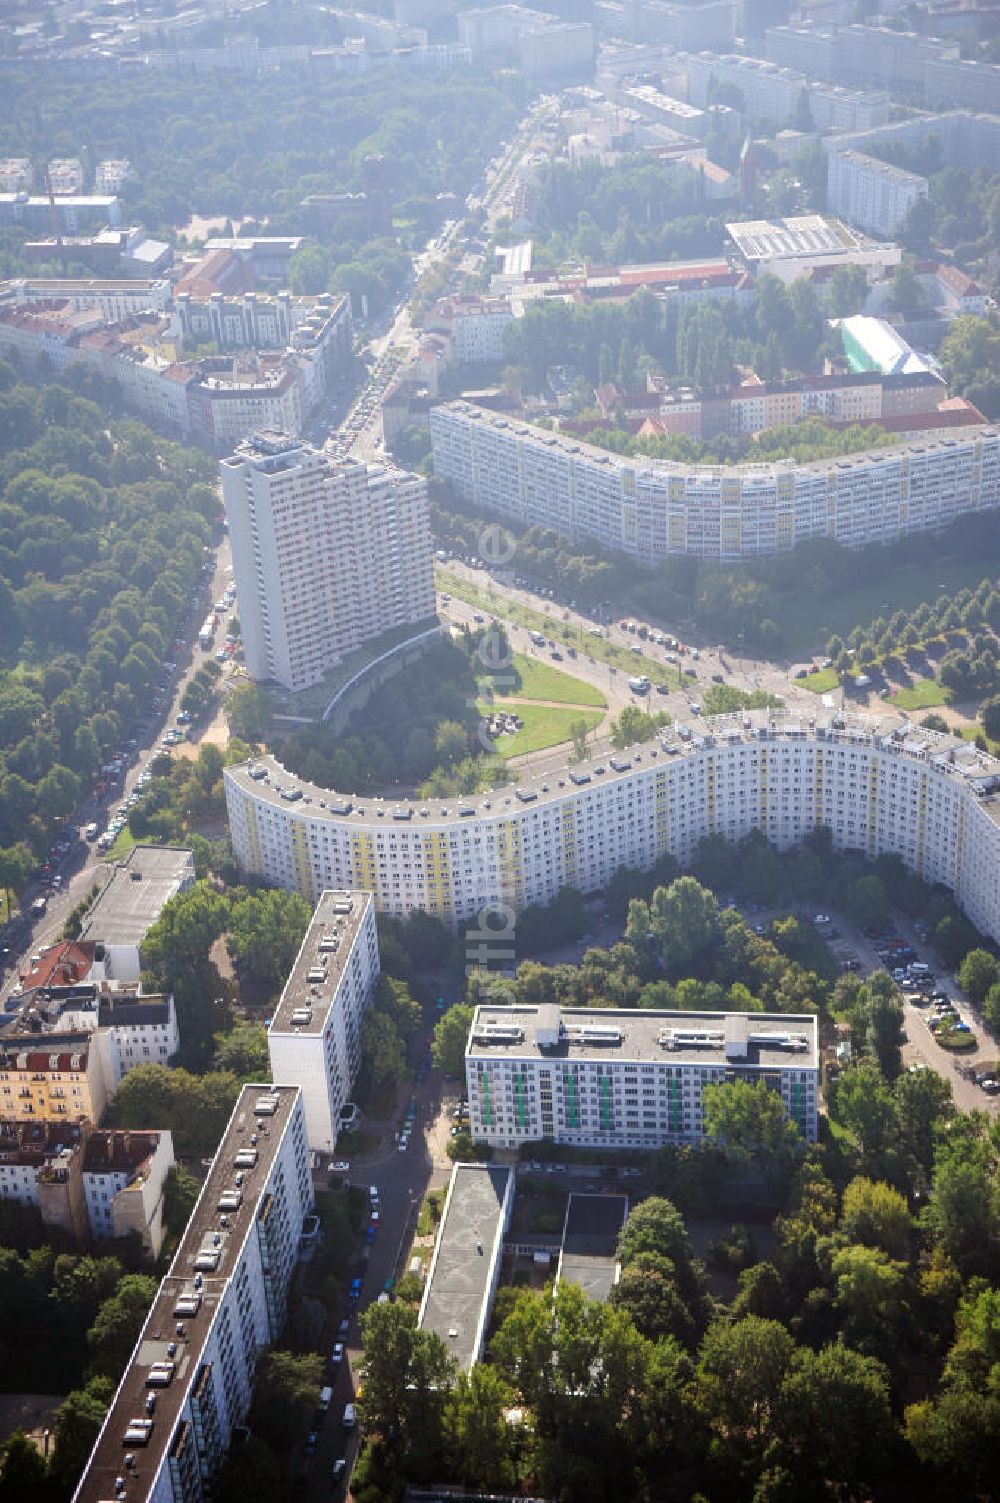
<point>111,174</point>
<point>93,1185</point>
<point>473,326</point>
<point>65,175</point>
<point>870,193</point>
<point>538,42</point>
<point>776,93</point>
<point>652,508</point>
<point>189,1381</point>
<point>15,173</point>
<point>682,26</point>
<point>115,299</point>
<point>314,1037</point>
<point>327,554</point>
<point>73,211</point>
<point>255,320</point>
<point>926,69</point>
<point>619,1079</point>
<point>109,251</point>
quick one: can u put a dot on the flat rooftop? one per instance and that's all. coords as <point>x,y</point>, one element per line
<point>805,235</point>
<point>469,1244</point>
<point>590,1240</point>
<point>135,896</point>
<point>312,985</point>
<point>267,780</point>
<point>217,1233</point>
<point>754,1041</point>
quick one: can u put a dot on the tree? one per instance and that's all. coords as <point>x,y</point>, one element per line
<point>243,1052</point>
<point>77,1422</point>
<point>867,903</point>
<point>252,1470</point>
<point>22,1469</point>
<point>16,865</point>
<point>579,732</point>
<point>741,1368</point>
<point>180,1193</point>
<point>477,1436</point>
<point>748,1122</point>
<point>247,711</point>
<point>284,1395</point>
<point>451,1035</point>
<point>118,1323</point>
<point>989,714</point>
<point>679,923</point>
<point>869,1290</point>
<point>405,1378</point>
<point>195,1108</point>
<point>846,293</point>
<point>835,1423</point>
<point>265,931</point>
<point>876,1215</point>
<point>978,972</point>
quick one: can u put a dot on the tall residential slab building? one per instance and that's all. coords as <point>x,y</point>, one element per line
<point>327,555</point>
<point>315,1034</point>
<point>189,1381</point>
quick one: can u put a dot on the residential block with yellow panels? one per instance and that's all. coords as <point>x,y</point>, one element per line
<point>652,508</point>
<point>879,786</point>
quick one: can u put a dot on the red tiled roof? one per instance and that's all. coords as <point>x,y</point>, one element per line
<point>64,964</point>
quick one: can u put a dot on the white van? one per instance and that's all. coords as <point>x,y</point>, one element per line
<point>90,833</point>
<point>325,1400</point>
<point>350,1419</point>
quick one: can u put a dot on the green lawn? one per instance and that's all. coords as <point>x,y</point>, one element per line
<point>540,681</point>
<point>924,694</point>
<point>122,846</point>
<point>809,622</point>
<point>821,682</point>
<point>543,726</point>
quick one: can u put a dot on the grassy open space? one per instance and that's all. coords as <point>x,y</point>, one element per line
<point>544,725</point>
<point>540,681</point>
<point>122,846</point>
<point>808,623</point>
<point>821,682</point>
<point>497,602</point>
<point>924,694</point>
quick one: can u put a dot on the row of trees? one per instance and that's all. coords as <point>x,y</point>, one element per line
<point>102,542</point>
<point>69,1324</point>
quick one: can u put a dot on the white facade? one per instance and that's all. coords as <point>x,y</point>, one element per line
<point>621,1079</point>
<point>327,555</point>
<point>190,1378</point>
<point>124,1175</point>
<point>115,299</point>
<point>878,787</point>
<point>772,92</point>
<point>652,508</point>
<point>871,193</point>
<point>315,1034</point>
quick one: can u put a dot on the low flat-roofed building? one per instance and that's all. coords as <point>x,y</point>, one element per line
<point>133,900</point>
<point>589,1253</point>
<point>189,1381</point>
<point>315,1033</point>
<point>465,1268</point>
<point>790,248</point>
<point>620,1078</point>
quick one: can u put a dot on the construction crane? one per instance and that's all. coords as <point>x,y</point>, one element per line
<point>53,212</point>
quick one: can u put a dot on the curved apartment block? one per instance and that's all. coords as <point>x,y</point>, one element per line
<point>879,786</point>
<point>653,508</point>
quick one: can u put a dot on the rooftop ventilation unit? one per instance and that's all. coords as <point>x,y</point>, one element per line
<point>246,1158</point>
<point>187,1306</point>
<point>498,1033</point>
<point>328,944</point>
<point>692,1038</point>
<point>265,1106</point>
<point>207,1260</point>
<point>138,1432</point>
<point>343,906</point>
<point>160,1375</point>
<point>302,1017</point>
<point>316,974</point>
<point>590,1034</point>
<point>230,1200</point>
